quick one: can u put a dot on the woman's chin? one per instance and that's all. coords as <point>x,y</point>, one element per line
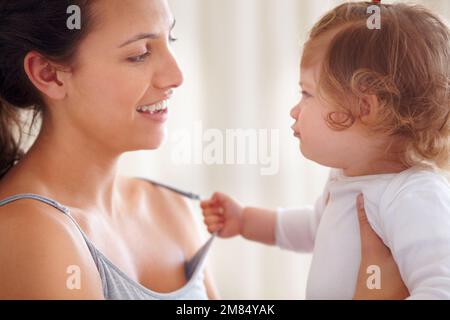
<point>153,142</point>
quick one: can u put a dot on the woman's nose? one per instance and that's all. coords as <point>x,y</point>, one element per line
<point>169,74</point>
<point>295,112</point>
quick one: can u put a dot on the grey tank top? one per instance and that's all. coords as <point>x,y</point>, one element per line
<point>116,284</point>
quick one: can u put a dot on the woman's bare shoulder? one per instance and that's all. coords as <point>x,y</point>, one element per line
<point>43,255</point>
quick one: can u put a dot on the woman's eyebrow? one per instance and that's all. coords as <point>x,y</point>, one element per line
<point>138,37</point>
<point>141,36</point>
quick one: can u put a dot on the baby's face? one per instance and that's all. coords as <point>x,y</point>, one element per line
<point>318,142</point>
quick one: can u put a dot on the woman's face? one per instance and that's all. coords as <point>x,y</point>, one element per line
<point>125,63</point>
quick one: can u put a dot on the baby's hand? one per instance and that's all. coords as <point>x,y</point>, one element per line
<point>223,214</point>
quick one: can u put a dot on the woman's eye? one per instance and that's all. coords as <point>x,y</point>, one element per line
<point>172,39</point>
<point>139,58</point>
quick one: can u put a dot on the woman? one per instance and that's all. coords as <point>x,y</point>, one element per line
<point>102,90</point>
<point>92,114</point>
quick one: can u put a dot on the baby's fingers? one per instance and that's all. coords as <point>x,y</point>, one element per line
<point>205,204</point>
<point>214,223</point>
<point>212,220</point>
<point>213,211</point>
<point>215,228</point>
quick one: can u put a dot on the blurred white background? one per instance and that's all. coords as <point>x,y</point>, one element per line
<point>240,60</point>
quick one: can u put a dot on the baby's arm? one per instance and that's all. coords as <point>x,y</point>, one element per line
<point>292,229</point>
<point>259,225</point>
<point>226,216</point>
<point>416,225</point>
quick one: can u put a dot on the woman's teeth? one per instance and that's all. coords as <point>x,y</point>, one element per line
<point>157,107</point>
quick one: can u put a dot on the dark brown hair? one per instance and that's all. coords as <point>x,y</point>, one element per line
<point>31,25</point>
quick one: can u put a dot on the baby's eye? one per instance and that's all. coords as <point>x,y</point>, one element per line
<point>140,58</point>
<point>305,94</point>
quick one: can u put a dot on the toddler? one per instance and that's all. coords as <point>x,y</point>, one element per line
<point>375,109</point>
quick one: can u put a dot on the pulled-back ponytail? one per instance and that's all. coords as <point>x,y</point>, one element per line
<point>31,25</point>
<point>9,145</point>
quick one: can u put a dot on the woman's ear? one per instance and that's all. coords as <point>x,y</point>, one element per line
<point>45,76</point>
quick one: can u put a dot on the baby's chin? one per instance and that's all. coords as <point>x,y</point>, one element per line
<point>323,160</point>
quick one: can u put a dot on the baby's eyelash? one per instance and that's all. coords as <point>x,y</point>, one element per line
<point>305,94</point>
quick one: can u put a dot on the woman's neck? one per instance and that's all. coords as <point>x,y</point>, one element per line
<point>78,175</point>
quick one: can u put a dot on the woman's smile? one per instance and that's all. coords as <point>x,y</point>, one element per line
<point>158,112</point>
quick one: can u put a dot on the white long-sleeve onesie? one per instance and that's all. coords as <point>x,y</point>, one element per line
<point>410,211</point>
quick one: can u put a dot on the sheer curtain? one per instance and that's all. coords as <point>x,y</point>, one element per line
<point>240,60</point>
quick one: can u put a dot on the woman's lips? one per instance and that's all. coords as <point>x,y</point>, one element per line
<point>160,116</point>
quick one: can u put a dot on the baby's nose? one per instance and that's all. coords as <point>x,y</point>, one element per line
<point>295,112</point>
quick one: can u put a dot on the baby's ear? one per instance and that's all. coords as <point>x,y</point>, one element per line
<point>369,106</point>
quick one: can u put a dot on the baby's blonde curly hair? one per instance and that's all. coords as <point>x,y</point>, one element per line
<point>405,64</point>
